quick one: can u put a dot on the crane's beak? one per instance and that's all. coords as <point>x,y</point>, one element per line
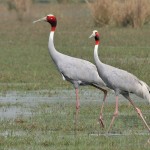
<point>92,35</point>
<point>42,19</point>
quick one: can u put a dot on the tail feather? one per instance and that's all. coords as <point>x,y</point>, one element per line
<point>145,89</point>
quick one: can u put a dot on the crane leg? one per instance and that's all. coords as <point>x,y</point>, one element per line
<point>77,107</point>
<point>114,116</point>
<point>101,111</point>
<point>139,112</point>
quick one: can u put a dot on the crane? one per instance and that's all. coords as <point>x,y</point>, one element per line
<point>121,81</point>
<point>76,71</point>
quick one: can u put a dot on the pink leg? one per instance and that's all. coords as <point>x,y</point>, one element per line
<point>101,112</point>
<point>77,100</point>
<point>77,107</point>
<point>115,114</point>
<point>139,113</point>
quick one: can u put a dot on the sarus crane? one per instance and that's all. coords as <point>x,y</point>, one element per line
<point>121,81</point>
<point>75,70</point>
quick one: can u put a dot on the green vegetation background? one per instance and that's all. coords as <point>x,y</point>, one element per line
<point>24,56</point>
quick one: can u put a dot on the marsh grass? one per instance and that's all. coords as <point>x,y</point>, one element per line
<point>51,126</point>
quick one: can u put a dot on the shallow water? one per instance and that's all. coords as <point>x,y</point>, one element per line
<point>118,134</point>
<point>15,103</point>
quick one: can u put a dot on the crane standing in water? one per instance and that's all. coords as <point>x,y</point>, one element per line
<point>75,70</point>
<point>121,81</point>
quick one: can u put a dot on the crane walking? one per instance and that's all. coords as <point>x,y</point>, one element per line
<point>121,81</point>
<point>75,70</point>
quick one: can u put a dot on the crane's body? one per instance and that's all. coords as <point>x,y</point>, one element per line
<point>121,81</point>
<point>75,70</point>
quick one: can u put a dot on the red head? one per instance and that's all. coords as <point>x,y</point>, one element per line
<point>96,35</point>
<point>51,19</point>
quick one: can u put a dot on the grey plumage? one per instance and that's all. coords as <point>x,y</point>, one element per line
<point>75,70</point>
<point>122,82</point>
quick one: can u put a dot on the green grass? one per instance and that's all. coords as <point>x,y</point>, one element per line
<point>25,58</point>
<point>51,126</point>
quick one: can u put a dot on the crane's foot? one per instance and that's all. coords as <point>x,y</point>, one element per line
<point>112,121</point>
<point>101,122</point>
<point>141,115</point>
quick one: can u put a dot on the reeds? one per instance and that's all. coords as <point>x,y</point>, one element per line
<point>120,12</point>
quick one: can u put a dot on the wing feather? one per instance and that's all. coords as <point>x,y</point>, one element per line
<point>79,70</point>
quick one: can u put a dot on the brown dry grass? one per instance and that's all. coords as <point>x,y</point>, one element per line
<point>101,11</point>
<point>120,12</point>
<point>131,12</point>
<point>22,7</point>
